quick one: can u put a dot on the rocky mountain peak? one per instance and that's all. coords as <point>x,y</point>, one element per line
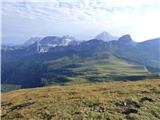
<point>105,36</point>
<point>126,39</point>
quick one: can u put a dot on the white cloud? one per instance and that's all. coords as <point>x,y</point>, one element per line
<point>83,18</point>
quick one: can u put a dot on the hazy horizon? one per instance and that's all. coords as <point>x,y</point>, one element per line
<point>83,19</point>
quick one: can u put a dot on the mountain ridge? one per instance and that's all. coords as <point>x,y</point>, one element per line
<point>86,61</point>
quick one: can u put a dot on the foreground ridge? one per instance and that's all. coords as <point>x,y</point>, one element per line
<point>112,101</point>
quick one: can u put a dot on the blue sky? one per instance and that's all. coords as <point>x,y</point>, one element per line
<point>82,19</point>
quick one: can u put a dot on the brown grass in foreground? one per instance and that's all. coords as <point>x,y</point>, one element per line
<point>138,100</point>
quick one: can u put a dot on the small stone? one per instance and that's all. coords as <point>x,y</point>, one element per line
<point>130,110</point>
<point>146,99</point>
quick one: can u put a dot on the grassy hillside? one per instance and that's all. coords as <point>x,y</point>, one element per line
<point>98,68</point>
<point>103,101</point>
<point>71,69</point>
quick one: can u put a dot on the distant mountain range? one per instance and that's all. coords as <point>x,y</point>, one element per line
<point>63,60</point>
<point>48,42</point>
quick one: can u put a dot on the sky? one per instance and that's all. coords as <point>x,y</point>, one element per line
<point>83,19</point>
